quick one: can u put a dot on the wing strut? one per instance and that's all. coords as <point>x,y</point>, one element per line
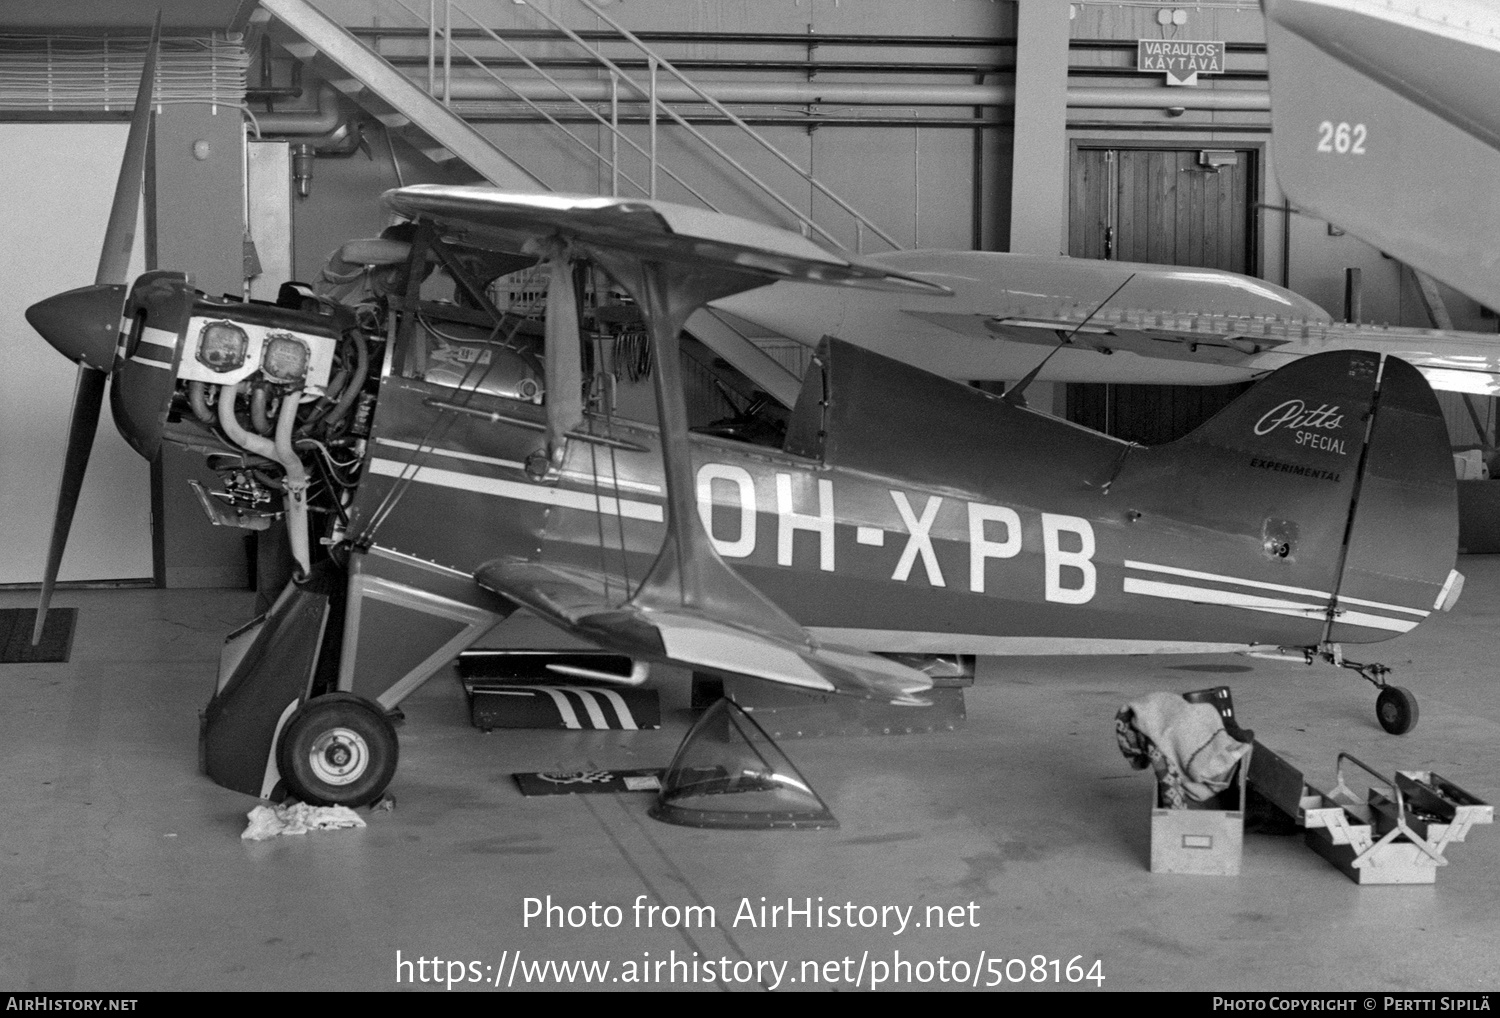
<point>688,571</point>
<point>1016,395</point>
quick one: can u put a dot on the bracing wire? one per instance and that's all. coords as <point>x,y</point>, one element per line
<point>436,430</point>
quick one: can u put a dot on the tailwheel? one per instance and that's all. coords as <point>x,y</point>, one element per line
<point>337,750</point>
<point>1396,708</point>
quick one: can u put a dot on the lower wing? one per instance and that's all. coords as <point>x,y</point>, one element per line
<point>577,600</point>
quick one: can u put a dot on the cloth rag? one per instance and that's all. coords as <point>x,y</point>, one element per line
<point>297,818</point>
<point>1185,743</point>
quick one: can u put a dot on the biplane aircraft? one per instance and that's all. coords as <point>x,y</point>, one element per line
<point>438,463</point>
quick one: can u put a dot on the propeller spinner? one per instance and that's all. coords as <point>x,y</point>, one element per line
<point>83,324</point>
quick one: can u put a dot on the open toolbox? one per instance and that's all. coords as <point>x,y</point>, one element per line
<point>1396,833</point>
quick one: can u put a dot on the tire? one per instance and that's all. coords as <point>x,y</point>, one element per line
<point>1396,709</point>
<point>337,750</point>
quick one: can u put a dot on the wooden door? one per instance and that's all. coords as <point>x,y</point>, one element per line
<point>1169,207</point>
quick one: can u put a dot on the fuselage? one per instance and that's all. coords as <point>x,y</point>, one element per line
<point>930,518</point>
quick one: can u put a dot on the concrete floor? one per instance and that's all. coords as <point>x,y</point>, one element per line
<point>121,868</point>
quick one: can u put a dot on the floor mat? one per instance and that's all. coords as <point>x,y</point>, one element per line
<point>15,635</point>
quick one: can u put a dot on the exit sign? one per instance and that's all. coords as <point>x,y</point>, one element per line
<point>1181,60</point>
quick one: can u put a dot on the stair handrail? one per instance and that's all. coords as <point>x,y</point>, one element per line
<point>731,117</point>
<point>432,82</point>
<point>648,93</point>
<point>656,103</point>
<point>615,131</point>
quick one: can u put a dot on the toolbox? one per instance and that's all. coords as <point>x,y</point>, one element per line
<point>1396,834</point>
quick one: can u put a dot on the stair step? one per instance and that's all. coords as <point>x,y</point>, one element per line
<point>341,59</point>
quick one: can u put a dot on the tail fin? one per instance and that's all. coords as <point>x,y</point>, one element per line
<point>1342,461</point>
<point>1362,96</point>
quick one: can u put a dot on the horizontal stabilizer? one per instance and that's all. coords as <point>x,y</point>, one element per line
<point>578,601</point>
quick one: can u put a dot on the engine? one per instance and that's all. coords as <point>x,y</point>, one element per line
<point>281,397</point>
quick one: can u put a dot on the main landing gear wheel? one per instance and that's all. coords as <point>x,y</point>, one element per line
<point>1396,708</point>
<point>337,750</point>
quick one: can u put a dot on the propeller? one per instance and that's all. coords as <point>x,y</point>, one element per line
<point>82,324</point>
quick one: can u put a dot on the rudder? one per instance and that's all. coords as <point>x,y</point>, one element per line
<point>1360,455</point>
<point>1404,536</point>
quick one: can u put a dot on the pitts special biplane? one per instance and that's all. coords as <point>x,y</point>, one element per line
<point>437,464</point>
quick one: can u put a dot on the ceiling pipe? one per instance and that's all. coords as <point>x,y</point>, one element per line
<point>866,94</point>
<point>1162,97</point>
<point>324,119</point>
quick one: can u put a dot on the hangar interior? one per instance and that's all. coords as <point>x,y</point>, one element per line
<point>866,126</point>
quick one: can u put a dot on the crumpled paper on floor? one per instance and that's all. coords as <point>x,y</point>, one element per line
<point>297,818</point>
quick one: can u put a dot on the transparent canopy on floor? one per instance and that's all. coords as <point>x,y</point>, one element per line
<point>728,773</point>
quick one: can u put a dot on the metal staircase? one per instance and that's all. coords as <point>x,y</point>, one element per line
<point>426,117</point>
<point>385,93</point>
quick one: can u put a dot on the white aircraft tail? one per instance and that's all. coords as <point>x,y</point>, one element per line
<point>1384,123</point>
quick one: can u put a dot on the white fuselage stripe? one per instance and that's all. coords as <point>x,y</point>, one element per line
<point>560,497</point>
<point>454,453</point>
<point>893,641</point>
<point>159,337</point>
<point>605,481</point>
<point>1262,585</point>
<point>600,480</point>
<point>1254,602</point>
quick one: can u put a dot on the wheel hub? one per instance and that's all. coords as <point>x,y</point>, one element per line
<point>339,756</point>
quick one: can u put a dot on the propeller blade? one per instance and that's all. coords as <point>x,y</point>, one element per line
<point>119,236</point>
<point>82,323</point>
<point>88,397</point>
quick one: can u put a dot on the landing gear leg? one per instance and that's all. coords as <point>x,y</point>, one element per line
<point>1395,706</point>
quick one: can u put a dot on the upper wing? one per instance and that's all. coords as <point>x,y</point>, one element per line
<point>575,600</point>
<point>488,218</point>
